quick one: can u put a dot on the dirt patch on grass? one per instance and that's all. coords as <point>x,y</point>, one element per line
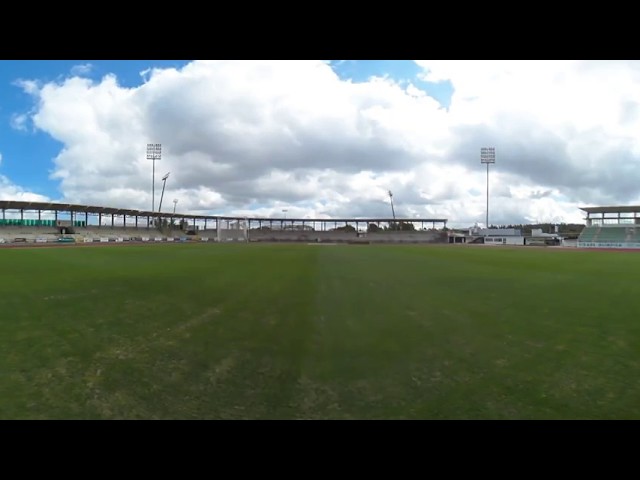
<point>67,296</point>
<point>204,317</point>
<point>221,370</point>
<point>317,401</point>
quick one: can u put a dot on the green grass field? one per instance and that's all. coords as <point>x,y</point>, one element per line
<point>315,332</point>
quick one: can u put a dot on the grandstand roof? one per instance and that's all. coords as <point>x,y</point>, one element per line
<point>70,207</point>
<point>618,209</point>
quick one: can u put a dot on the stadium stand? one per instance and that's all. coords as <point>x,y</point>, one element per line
<point>611,227</point>
<point>84,223</point>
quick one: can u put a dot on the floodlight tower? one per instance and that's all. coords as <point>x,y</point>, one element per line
<point>164,182</point>
<point>487,155</point>
<point>175,202</point>
<point>393,212</point>
<point>154,153</point>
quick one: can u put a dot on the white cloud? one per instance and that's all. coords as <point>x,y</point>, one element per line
<point>79,70</point>
<point>260,136</point>
<point>32,87</point>
<point>145,74</point>
<point>19,122</point>
<point>10,191</point>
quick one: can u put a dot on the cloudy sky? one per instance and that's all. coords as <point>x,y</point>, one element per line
<point>325,138</point>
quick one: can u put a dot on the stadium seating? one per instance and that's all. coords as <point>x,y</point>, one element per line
<point>588,234</point>
<point>611,234</point>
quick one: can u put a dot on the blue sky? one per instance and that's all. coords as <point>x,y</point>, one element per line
<point>403,71</point>
<point>325,139</point>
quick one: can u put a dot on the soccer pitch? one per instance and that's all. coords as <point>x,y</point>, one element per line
<point>247,331</point>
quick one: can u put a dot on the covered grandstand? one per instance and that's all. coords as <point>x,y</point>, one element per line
<point>43,222</point>
<point>611,227</point>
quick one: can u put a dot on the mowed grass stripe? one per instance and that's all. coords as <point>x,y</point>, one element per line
<point>297,331</point>
<point>159,332</point>
<point>488,333</point>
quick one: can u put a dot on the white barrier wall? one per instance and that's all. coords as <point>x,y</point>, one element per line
<point>608,245</point>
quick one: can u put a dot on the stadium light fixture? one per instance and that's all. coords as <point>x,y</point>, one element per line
<point>175,202</point>
<point>154,153</point>
<point>393,212</point>
<point>488,156</point>
<point>164,182</point>
<point>284,210</point>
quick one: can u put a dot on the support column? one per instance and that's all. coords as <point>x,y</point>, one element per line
<point>112,219</point>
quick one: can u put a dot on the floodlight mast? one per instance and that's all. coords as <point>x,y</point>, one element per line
<point>393,212</point>
<point>487,155</point>
<point>175,202</point>
<point>164,182</point>
<point>154,153</point>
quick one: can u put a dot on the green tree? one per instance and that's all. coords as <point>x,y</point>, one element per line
<point>345,228</point>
